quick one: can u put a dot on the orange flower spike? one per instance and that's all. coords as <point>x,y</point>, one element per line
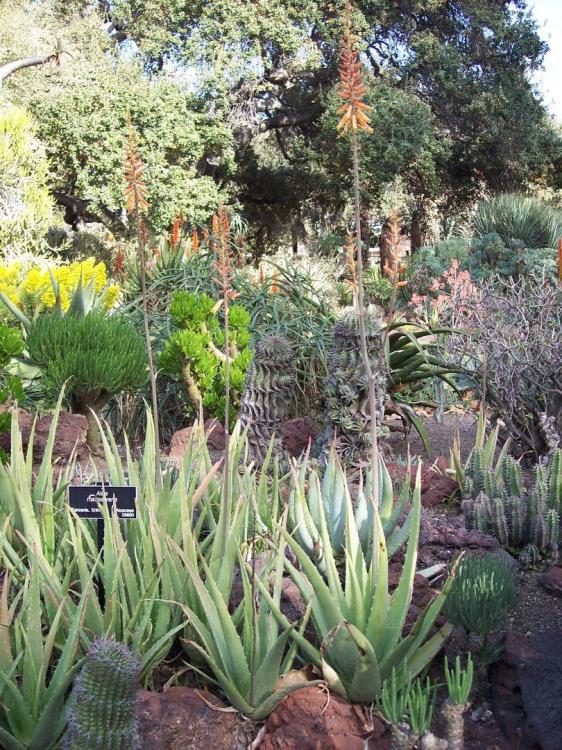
<point>175,234</point>
<point>195,241</point>
<point>351,87</point>
<point>119,263</point>
<point>136,191</point>
<point>275,289</point>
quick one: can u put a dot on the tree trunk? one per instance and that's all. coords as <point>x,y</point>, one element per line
<point>453,715</point>
<point>417,230</point>
<point>385,246</point>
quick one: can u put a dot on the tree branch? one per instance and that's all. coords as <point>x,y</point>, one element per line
<point>8,69</point>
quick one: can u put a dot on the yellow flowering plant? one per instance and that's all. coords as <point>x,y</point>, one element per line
<point>79,286</point>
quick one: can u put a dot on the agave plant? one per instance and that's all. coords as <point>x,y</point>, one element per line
<point>314,501</point>
<point>358,623</point>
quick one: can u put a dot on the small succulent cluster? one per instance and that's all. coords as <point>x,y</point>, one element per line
<point>104,713</point>
<point>347,390</point>
<point>496,501</point>
<point>267,393</point>
<point>195,351</point>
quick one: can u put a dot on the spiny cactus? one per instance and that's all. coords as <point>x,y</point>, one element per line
<point>267,393</point>
<point>347,392</point>
<point>496,501</point>
<point>105,692</point>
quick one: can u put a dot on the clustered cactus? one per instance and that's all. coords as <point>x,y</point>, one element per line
<point>195,351</point>
<point>496,501</point>
<point>269,382</point>
<point>104,715</point>
<point>347,392</point>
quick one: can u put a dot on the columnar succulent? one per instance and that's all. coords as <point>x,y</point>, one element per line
<point>267,393</point>
<point>347,393</point>
<point>104,713</point>
<point>495,500</point>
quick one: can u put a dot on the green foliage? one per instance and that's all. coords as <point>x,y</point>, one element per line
<point>195,351</point>
<point>316,502</point>
<point>96,356</point>
<point>483,591</point>
<point>104,708</point>
<point>459,680</point>
<point>26,207</point>
<point>357,622</point>
<point>37,663</point>
<point>378,288</point>
<point>11,345</point>
<point>411,703</point>
<point>519,220</point>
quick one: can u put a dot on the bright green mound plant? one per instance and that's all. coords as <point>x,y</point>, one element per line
<point>483,591</point>
<point>104,712</point>
<point>358,622</point>
<point>96,356</point>
<point>195,351</point>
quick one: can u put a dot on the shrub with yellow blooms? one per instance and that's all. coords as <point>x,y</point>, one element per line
<point>34,288</point>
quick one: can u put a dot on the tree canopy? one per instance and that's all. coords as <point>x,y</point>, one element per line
<point>234,100</point>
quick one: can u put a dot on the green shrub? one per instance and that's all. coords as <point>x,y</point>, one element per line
<point>519,219</point>
<point>96,356</point>
<point>378,288</point>
<point>195,351</point>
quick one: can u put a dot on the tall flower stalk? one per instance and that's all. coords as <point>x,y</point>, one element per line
<point>354,118</point>
<point>136,205</point>
<point>220,226</point>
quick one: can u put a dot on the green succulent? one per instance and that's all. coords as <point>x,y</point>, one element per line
<point>93,356</point>
<point>195,351</point>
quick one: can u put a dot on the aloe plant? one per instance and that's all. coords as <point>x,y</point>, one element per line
<point>314,501</point>
<point>358,623</point>
<point>245,650</point>
<point>35,669</point>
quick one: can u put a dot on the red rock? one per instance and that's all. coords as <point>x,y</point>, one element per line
<point>297,434</point>
<point>439,489</point>
<point>70,434</point>
<point>551,580</point>
<point>180,718</point>
<point>216,437</point>
<point>312,719</point>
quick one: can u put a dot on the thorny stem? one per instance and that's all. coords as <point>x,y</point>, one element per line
<point>361,324</point>
<point>151,370</point>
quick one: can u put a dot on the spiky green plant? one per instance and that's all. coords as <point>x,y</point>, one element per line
<point>483,591</point>
<point>519,218</point>
<point>408,708</point>
<point>37,663</point>
<point>357,622</point>
<point>245,650</point>
<point>104,715</point>
<point>495,500</point>
<point>316,501</point>
<point>459,685</point>
<point>194,351</point>
<point>267,394</point>
<point>95,356</point>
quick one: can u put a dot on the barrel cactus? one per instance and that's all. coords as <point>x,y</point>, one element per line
<point>104,715</point>
<point>270,381</point>
<point>347,391</point>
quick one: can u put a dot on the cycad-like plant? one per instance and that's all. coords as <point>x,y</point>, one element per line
<point>96,356</point>
<point>358,623</point>
<point>519,217</point>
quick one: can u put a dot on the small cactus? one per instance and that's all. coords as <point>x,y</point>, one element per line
<point>103,716</point>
